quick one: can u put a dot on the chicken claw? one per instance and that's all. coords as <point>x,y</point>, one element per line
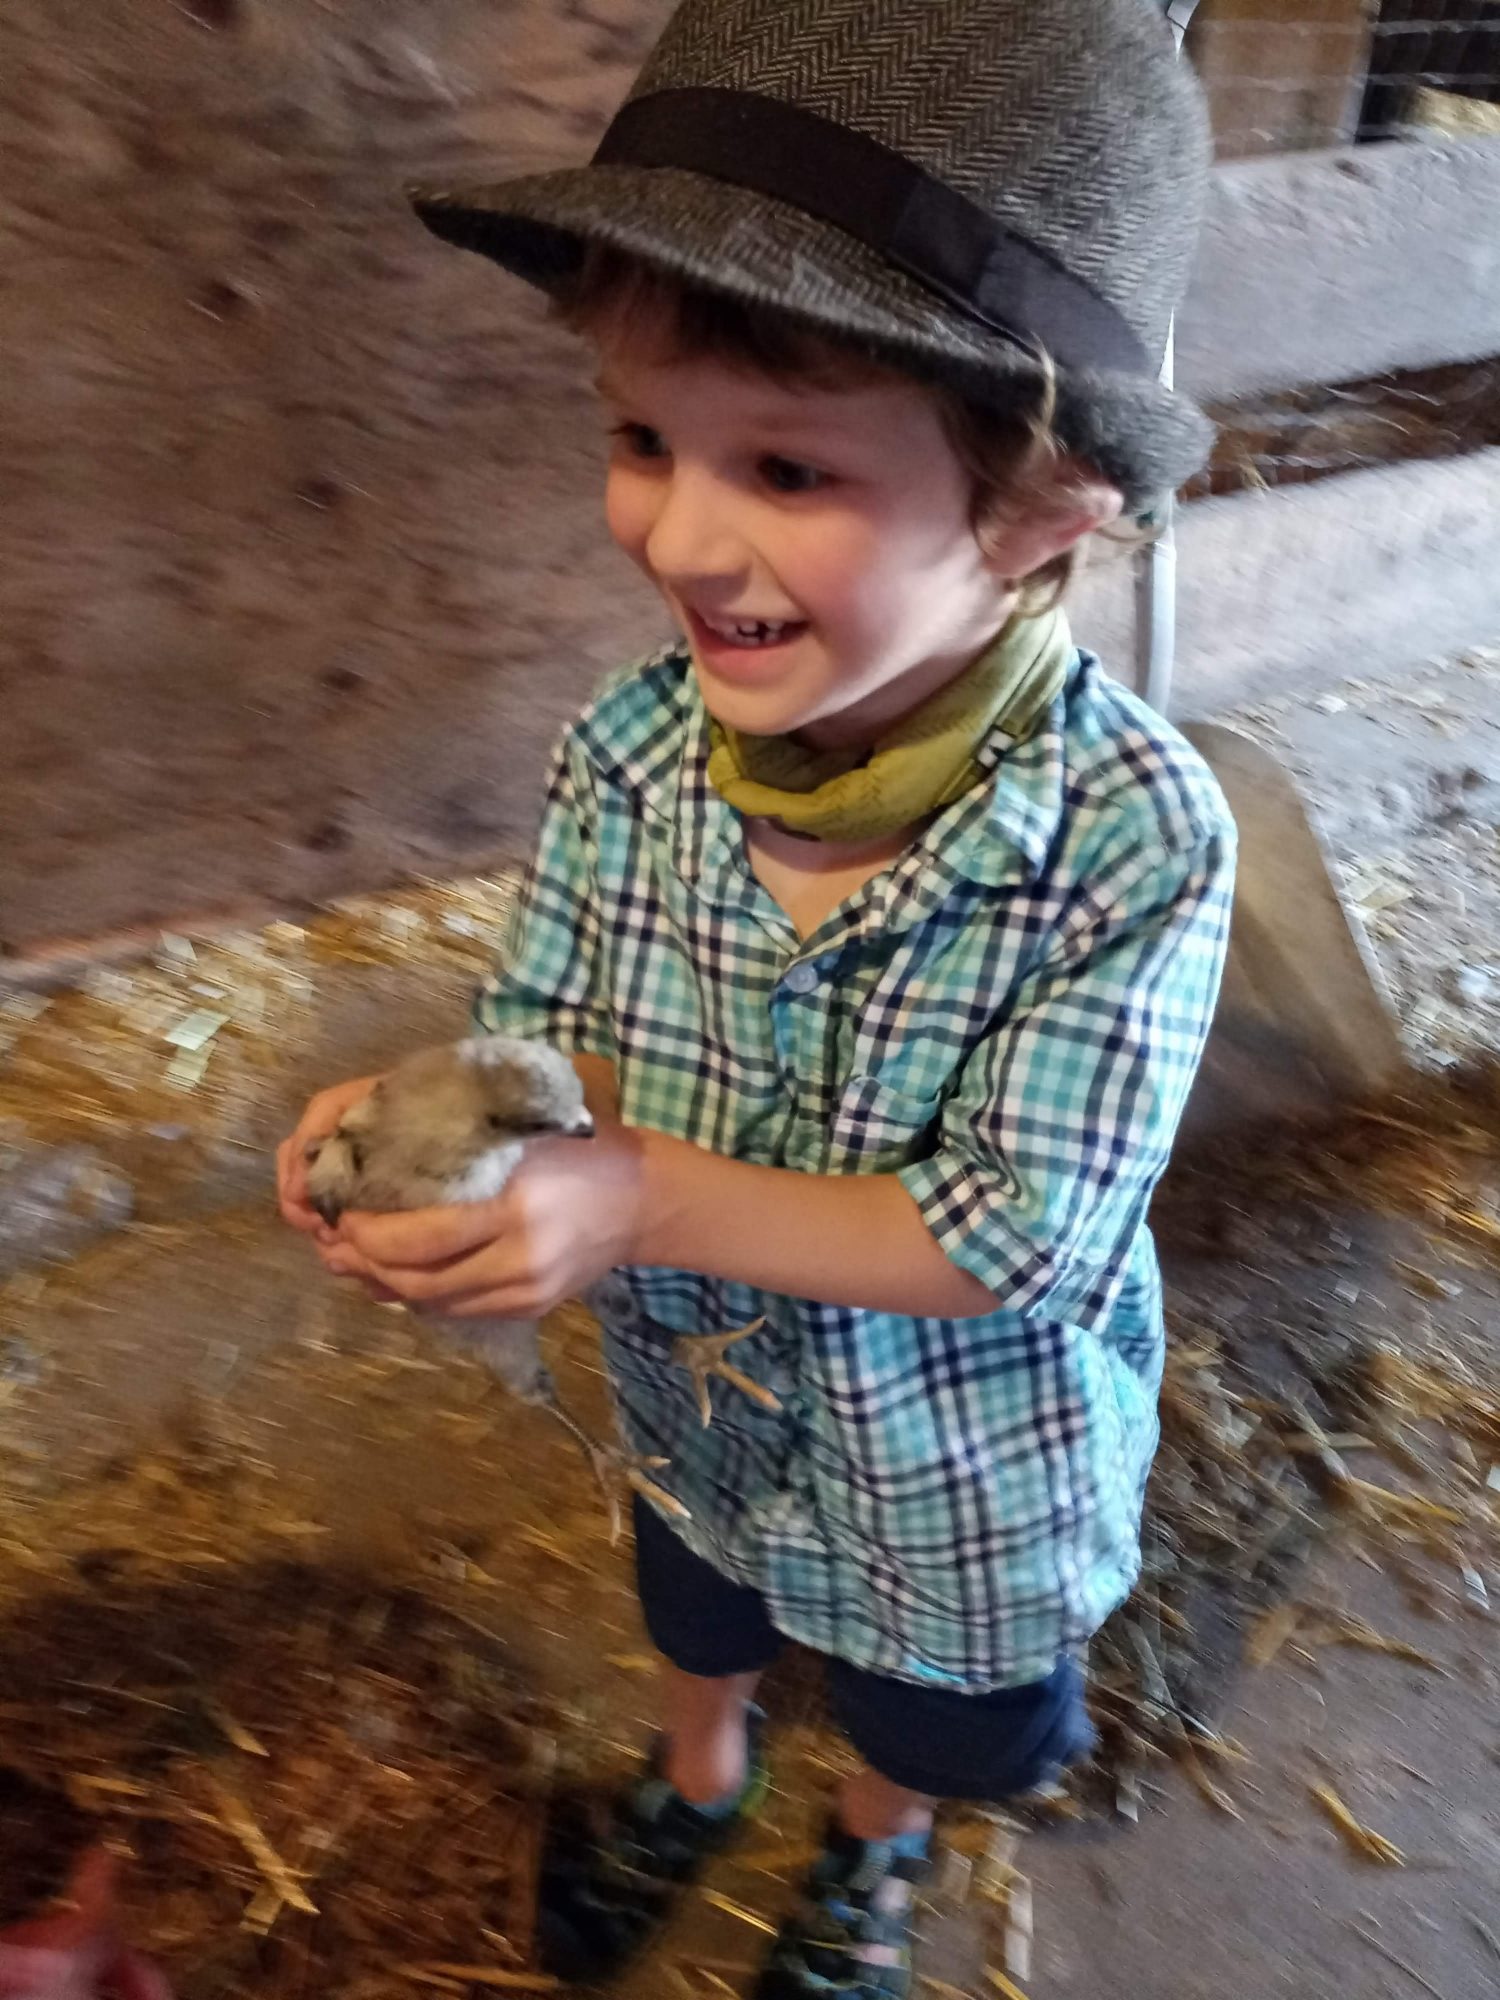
<point>706,1354</point>
<point>611,1467</point>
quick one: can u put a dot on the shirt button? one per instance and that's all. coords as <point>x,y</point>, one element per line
<point>802,979</point>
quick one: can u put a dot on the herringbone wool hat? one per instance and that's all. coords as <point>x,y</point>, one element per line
<point>953,185</point>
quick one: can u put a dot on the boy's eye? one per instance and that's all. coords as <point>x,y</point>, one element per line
<point>640,440</point>
<point>782,475</point>
<point>789,475</point>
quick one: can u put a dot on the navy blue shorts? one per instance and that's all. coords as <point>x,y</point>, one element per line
<point>983,1747</point>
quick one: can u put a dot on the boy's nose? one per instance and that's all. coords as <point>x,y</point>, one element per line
<point>694,538</point>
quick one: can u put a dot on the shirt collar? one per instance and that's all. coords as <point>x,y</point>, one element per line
<point>635,729</point>
<point>1011,828</point>
<point>998,835</point>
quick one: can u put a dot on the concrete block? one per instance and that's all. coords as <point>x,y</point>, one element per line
<point>1335,266</point>
<point>1370,574</point>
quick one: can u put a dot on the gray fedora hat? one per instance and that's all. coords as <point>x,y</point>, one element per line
<point>953,185</point>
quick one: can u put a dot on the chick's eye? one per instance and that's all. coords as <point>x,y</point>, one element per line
<point>639,441</point>
<point>790,475</point>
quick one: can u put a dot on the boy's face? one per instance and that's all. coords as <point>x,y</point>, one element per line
<point>816,546</point>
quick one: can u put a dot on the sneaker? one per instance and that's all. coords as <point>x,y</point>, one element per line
<point>603,1896</point>
<point>852,1938</point>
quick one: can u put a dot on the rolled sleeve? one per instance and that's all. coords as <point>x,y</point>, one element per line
<point>1064,1117</point>
<point>549,980</point>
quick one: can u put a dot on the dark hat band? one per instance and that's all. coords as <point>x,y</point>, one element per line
<point>918,223</point>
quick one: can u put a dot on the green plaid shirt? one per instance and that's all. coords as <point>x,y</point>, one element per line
<point>1009,1018</point>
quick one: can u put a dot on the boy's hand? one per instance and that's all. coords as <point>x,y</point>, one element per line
<point>319,1119</point>
<point>570,1212</point>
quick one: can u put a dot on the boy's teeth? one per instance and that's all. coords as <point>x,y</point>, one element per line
<point>750,631</point>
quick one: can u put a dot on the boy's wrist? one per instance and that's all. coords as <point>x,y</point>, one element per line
<point>658,1199</point>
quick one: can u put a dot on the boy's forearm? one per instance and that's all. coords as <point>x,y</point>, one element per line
<point>849,1240</point>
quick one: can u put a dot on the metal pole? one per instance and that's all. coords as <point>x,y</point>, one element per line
<point>1156,571</point>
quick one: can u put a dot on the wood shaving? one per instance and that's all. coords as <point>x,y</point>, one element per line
<point>1362,1840</point>
<point>480,1975</point>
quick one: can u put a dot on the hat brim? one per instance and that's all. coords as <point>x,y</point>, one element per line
<point>730,240</point>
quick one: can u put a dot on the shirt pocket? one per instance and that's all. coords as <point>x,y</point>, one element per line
<point>878,1128</point>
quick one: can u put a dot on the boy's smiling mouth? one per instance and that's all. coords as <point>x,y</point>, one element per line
<point>718,635</point>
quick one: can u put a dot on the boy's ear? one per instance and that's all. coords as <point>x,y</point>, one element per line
<point>1076,502</point>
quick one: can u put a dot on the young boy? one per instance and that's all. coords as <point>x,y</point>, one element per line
<point>884,929</point>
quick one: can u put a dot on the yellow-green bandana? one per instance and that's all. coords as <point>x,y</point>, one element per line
<point>917,767</point>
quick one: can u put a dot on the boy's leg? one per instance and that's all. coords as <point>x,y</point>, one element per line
<point>705,1748</point>
<point>715,1641</point>
<point>853,1934</point>
<point>605,1892</point>
<point>872,1807</point>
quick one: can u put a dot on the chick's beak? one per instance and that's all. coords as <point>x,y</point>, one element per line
<point>582,1126</point>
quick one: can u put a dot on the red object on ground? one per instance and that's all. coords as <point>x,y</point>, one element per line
<point>79,1953</point>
